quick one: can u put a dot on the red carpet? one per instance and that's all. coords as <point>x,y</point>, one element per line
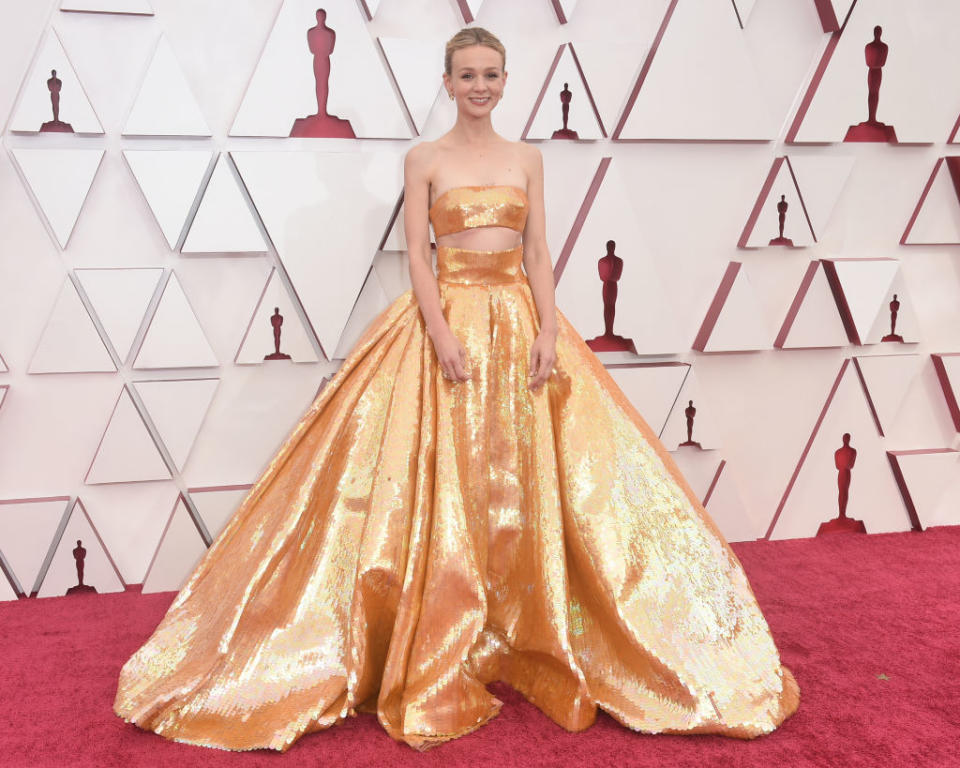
<point>844,611</point>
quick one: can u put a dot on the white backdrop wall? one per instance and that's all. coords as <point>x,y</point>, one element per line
<point>142,255</point>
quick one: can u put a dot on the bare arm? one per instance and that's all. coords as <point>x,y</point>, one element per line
<point>539,268</point>
<point>451,354</point>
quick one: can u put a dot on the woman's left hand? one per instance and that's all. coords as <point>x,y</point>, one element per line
<point>543,354</point>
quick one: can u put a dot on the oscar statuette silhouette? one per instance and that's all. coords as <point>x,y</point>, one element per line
<point>843,458</point>
<point>565,133</point>
<point>276,320</point>
<point>79,554</point>
<point>320,40</point>
<point>893,335</point>
<point>610,268</point>
<point>872,129</point>
<point>690,412</point>
<point>782,218</point>
<point>55,85</point>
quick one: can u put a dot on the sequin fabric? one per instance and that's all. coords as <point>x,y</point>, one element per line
<point>494,205</point>
<point>417,537</point>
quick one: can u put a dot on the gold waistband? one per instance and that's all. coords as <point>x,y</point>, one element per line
<point>470,267</point>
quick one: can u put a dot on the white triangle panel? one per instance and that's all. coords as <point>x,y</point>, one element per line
<point>178,554</point>
<point>796,228</point>
<point>700,469</point>
<point>120,298</point>
<point>727,509</point>
<point>60,180</point>
<point>735,321</point>
<point>821,180</point>
<point>909,100</point>
<point>936,220</point>
<point>99,570</point>
<point>812,496</point>
<point>644,313</point>
<point>27,527</point>
<point>813,320</point>
<point>947,367</point>
<point>581,118</point>
<point>170,180</point>
<point>887,379</point>
<point>3,393</point>
<point>218,505</point>
<point>126,452</point>
<point>3,365</point>
<point>743,8</point>
<point>224,222</point>
<point>36,104</point>
<point>177,409</point>
<point>132,7</point>
<point>866,285</point>
<point>174,338</point>
<point>70,342</point>
<point>414,66</point>
<point>705,429</point>
<point>905,324</point>
<point>371,302</point>
<point>165,105</point>
<point>130,518</point>
<point>259,339</point>
<point>283,87</point>
<point>702,83</point>
<point>326,213</point>
<point>926,475</point>
<point>652,389</point>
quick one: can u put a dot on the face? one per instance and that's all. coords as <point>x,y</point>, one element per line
<point>477,79</point>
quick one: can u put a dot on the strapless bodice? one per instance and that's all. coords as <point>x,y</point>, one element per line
<point>491,205</point>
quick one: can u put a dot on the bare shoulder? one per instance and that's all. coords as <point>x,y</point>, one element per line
<point>419,156</point>
<point>531,155</point>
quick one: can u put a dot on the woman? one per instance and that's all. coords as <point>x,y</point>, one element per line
<point>471,498</point>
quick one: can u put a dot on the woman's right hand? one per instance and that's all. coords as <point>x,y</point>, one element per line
<point>451,354</point>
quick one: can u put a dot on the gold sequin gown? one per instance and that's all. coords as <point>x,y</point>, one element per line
<point>415,538</point>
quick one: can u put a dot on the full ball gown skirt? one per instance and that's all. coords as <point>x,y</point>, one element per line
<point>415,538</point>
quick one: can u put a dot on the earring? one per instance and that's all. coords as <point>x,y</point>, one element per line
<point>450,94</point>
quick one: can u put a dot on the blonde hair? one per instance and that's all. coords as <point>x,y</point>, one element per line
<point>472,36</point>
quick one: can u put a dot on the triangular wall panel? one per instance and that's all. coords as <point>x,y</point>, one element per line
<point>224,222</point>
<point>99,570</point>
<point>565,79</point>
<point>644,317</point>
<point>346,201</point>
<point>699,82</point>
<point>936,218</point>
<point>813,320</point>
<point>120,298</point>
<point>60,180</point>
<point>413,63</point>
<point>259,342</point>
<point>34,112</point>
<point>174,338</point>
<point>165,105</point>
<point>27,527</point>
<point>811,496</point>
<point>127,452</point>
<point>735,321</point>
<point>70,342</point>
<point>179,552</point>
<point>283,87</point>
<point>177,409</point>
<point>170,181</point>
